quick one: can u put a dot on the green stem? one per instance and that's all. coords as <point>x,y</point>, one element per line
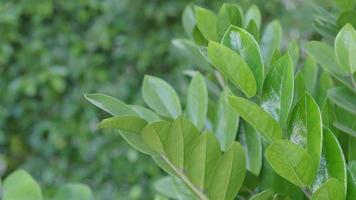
<point>200,194</point>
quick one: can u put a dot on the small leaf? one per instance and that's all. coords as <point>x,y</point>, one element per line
<point>188,19</point>
<point>253,13</point>
<point>293,50</point>
<point>71,191</point>
<point>252,144</point>
<point>203,159</point>
<point>324,84</point>
<point>165,186</point>
<point>345,48</point>
<point>110,104</point>
<point>229,14</point>
<point>278,89</point>
<point>145,113</point>
<point>226,122</point>
<point>206,22</point>
<point>264,195</point>
<point>291,162</point>
<point>181,137</point>
<point>233,67</point>
<point>245,44</point>
<point>161,97</point>
<point>351,180</point>
<point>253,30</point>
<point>19,185</point>
<point>271,40</point>
<point>310,74</point>
<point>263,122</point>
<point>155,135</point>
<point>330,190</point>
<point>305,127</point>
<point>229,174</point>
<point>343,97</point>
<point>197,102</point>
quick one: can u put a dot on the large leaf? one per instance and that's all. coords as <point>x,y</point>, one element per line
<point>19,185</point>
<point>278,89</point>
<point>226,122</point>
<point>161,97</point>
<point>305,127</point>
<point>181,137</point>
<point>229,174</point>
<point>233,67</point>
<point>73,191</point>
<point>271,41</point>
<point>206,22</point>
<point>110,104</point>
<point>291,162</point>
<point>262,121</point>
<point>252,144</point>
<point>330,190</point>
<point>345,48</point>
<point>343,97</point>
<point>245,44</point>
<point>203,159</point>
<point>229,14</point>
<point>197,101</point>
<point>332,164</point>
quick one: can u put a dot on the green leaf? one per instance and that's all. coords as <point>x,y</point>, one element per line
<point>271,40</point>
<point>197,101</point>
<point>345,4</point>
<point>300,89</point>
<point>345,48</point>
<point>229,14</point>
<point>332,164</point>
<point>351,180</point>
<point>161,97</point>
<point>264,195</point>
<point>206,22</point>
<point>253,13</point>
<point>305,127</point>
<point>352,149</point>
<point>72,191</point>
<point>229,174</point>
<point>253,30</point>
<point>330,190</point>
<point>294,51</point>
<point>344,98</point>
<point>345,17</point>
<point>325,56</point>
<point>203,159</point>
<point>291,162</point>
<point>262,121</point>
<point>145,113</point>
<point>181,137</point>
<point>155,135</point>
<point>233,67</point>
<point>278,89</point>
<point>188,19</point>
<point>165,186</point>
<point>324,84</point>
<point>110,104</point>
<point>345,121</point>
<point>226,122</point>
<point>252,144</point>
<point>245,44</point>
<point>310,74</point>
<point>19,185</point>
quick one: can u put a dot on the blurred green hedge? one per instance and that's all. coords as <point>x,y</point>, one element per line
<point>51,53</point>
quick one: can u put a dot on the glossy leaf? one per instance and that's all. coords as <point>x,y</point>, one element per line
<point>253,13</point>
<point>262,121</point>
<point>206,22</point>
<point>203,159</point>
<point>252,144</point>
<point>291,162</point>
<point>181,137</point>
<point>229,174</point>
<point>226,122</point>
<point>19,185</point>
<point>278,89</point>
<point>330,190</point>
<point>245,44</point>
<point>345,48</point>
<point>233,67</point>
<point>197,101</point>
<point>73,191</point>
<point>343,97</point>
<point>305,127</point>
<point>161,97</point>
<point>271,40</point>
<point>229,14</point>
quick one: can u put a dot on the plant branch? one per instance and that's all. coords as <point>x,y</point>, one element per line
<point>200,194</point>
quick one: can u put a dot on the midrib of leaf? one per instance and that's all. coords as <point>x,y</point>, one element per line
<point>200,194</point>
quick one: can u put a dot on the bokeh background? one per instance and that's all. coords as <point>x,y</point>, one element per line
<point>52,52</point>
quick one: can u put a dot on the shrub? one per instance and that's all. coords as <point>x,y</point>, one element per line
<point>252,91</point>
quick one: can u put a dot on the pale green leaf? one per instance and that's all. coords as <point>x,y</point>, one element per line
<point>343,97</point>
<point>155,135</point>
<point>74,191</point>
<point>206,22</point>
<point>330,190</point>
<point>345,48</point>
<point>310,74</point>
<point>229,14</point>
<point>188,19</point>
<point>271,40</point>
<point>253,13</point>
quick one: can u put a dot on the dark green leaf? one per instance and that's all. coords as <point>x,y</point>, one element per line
<point>351,180</point>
